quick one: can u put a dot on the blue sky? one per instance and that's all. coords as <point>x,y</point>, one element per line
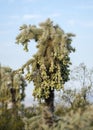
<point>74,16</point>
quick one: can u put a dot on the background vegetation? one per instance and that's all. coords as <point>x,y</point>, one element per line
<point>73,108</point>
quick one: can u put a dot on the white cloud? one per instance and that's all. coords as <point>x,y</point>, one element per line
<point>11,1</point>
<point>81,23</point>
<point>55,15</point>
<point>4,32</point>
<point>71,22</point>
<point>30,0</point>
<point>86,23</point>
<point>89,6</point>
<point>32,16</point>
<point>15,17</point>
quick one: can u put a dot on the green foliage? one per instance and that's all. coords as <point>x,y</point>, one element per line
<point>75,97</point>
<point>83,75</point>
<point>49,67</point>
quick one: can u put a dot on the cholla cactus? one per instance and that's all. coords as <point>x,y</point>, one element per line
<point>72,120</point>
<point>12,86</point>
<point>49,67</point>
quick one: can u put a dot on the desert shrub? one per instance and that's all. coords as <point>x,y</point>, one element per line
<point>32,111</point>
<point>9,121</point>
<point>82,119</point>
